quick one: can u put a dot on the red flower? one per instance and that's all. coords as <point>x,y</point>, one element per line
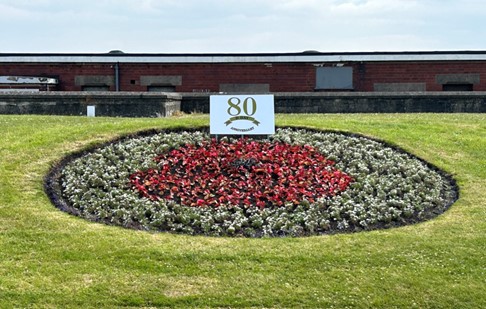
<point>243,173</point>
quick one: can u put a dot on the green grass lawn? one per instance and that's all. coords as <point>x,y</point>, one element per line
<point>49,259</point>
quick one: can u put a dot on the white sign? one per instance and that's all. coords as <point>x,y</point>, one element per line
<point>241,114</point>
<point>90,111</point>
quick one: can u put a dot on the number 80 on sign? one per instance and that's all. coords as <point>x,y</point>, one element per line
<point>242,114</point>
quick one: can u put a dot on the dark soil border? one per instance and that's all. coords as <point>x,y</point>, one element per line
<point>52,187</point>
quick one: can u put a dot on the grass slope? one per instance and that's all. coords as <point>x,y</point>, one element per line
<point>51,259</point>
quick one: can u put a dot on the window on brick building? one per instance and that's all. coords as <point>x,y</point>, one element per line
<point>161,88</point>
<point>457,87</point>
<point>95,88</point>
<point>334,78</point>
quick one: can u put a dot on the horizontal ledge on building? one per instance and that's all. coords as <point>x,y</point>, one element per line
<point>180,95</point>
<point>348,94</point>
<point>97,94</point>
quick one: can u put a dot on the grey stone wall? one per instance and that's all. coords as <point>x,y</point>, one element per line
<point>399,87</point>
<point>153,104</point>
<point>112,104</point>
<point>244,88</point>
<point>158,80</point>
<point>362,102</point>
<point>457,79</point>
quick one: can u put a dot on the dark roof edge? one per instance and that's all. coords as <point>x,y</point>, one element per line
<point>305,53</point>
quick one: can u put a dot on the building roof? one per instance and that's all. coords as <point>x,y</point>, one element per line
<point>303,57</point>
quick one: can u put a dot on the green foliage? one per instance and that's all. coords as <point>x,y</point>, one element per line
<point>51,259</point>
<point>389,188</point>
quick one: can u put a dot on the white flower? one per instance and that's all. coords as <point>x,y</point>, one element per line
<point>390,187</point>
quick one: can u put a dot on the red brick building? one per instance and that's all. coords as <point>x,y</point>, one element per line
<point>283,72</point>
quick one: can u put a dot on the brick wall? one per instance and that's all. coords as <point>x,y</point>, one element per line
<point>280,77</point>
<point>418,72</point>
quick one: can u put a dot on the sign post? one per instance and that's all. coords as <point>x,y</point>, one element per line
<point>241,115</point>
<point>90,111</point>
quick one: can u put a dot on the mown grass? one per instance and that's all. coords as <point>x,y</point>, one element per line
<point>49,259</point>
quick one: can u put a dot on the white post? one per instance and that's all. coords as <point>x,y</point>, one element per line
<point>91,111</point>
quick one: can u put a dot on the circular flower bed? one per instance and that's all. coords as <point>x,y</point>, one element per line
<point>298,182</point>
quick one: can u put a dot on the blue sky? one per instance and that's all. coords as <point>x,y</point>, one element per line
<point>233,26</point>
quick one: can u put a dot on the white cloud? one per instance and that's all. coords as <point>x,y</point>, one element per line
<point>240,26</point>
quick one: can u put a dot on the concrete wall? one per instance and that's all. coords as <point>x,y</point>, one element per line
<point>114,104</point>
<point>361,102</point>
<point>144,104</point>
